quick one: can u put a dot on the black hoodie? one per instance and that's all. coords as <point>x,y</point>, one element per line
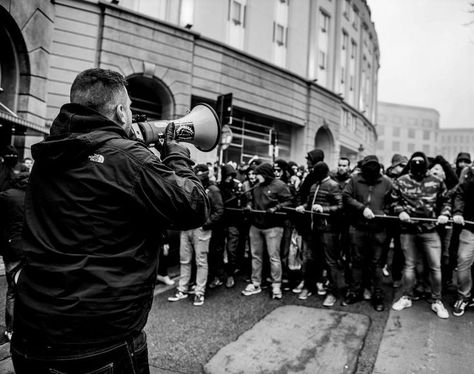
<point>95,208</point>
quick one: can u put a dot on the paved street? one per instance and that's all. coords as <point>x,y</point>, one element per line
<point>183,338</point>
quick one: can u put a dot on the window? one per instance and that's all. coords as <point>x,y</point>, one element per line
<point>322,60</point>
<point>396,131</point>
<point>343,75</point>
<point>411,133</point>
<point>396,146</point>
<point>355,23</point>
<point>380,130</point>
<point>426,149</point>
<point>237,12</point>
<point>411,147</point>
<point>324,22</point>
<point>426,135</point>
<point>353,49</point>
<point>345,41</point>
<point>279,34</point>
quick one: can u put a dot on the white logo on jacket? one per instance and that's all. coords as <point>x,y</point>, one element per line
<point>97,158</point>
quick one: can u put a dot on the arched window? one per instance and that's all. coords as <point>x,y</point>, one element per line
<point>150,97</point>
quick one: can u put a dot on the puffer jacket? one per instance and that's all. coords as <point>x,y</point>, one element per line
<point>359,194</point>
<point>95,210</point>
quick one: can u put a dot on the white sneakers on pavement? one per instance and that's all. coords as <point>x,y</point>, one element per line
<point>439,309</point>
<point>402,303</point>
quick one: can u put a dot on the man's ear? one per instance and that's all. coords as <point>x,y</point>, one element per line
<point>120,114</point>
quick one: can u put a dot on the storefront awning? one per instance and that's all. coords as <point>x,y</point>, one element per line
<point>7,119</point>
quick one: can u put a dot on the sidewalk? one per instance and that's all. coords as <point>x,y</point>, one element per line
<point>415,340</point>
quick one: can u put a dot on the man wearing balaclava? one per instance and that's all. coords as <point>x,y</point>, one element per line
<point>366,195</point>
<point>419,194</point>
<point>320,253</point>
<point>270,196</point>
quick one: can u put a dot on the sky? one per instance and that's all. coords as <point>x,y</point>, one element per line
<point>427,56</point>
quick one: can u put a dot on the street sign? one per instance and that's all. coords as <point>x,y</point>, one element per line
<point>226,137</point>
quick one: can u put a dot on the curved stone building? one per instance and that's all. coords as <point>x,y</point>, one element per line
<point>301,72</point>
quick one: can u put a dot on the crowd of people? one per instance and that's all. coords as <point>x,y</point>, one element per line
<point>82,229</point>
<point>344,229</point>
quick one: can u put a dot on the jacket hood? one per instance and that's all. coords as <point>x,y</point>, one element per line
<point>463,156</point>
<point>419,154</point>
<point>368,159</point>
<point>315,155</point>
<point>227,170</point>
<point>20,180</point>
<point>75,133</point>
<point>266,171</point>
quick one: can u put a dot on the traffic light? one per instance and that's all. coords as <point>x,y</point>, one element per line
<point>224,108</point>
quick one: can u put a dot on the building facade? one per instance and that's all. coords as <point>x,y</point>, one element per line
<point>455,140</point>
<point>301,72</point>
<point>405,129</point>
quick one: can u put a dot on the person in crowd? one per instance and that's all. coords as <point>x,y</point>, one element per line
<point>295,176</point>
<point>365,196</point>
<point>322,250</point>
<point>302,222</point>
<point>96,203</point>
<point>266,230</point>
<point>462,160</point>
<point>11,225</point>
<point>341,224</point>
<point>194,244</point>
<point>9,166</point>
<point>280,169</point>
<point>398,164</point>
<point>163,263</point>
<point>463,210</point>
<point>232,221</point>
<point>419,194</point>
<point>441,168</point>
<point>28,163</point>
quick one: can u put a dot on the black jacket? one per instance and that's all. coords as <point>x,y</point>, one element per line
<point>95,210</point>
<point>11,219</point>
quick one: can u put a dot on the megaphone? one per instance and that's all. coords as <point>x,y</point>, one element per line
<point>200,127</point>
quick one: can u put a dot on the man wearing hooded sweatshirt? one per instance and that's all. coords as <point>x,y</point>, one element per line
<point>366,195</point>
<point>270,196</point>
<point>419,194</point>
<point>95,208</point>
<point>325,197</point>
<point>233,222</point>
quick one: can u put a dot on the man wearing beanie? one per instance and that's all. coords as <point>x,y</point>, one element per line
<point>197,241</point>
<point>420,237</point>
<point>367,194</point>
<point>462,160</point>
<point>324,197</point>
<point>270,196</point>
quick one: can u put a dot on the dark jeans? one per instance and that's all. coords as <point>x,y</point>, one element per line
<point>127,357</point>
<point>216,254</point>
<point>232,247</point>
<point>314,257</point>
<point>398,261</point>
<point>366,251</point>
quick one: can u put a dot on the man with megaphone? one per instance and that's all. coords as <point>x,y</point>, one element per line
<point>95,208</point>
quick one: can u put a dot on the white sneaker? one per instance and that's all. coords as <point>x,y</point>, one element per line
<point>305,293</point>
<point>320,289</point>
<point>402,303</point>
<point>298,288</point>
<point>439,309</point>
<point>367,295</point>
<point>330,300</point>
<point>276,292</point>
<point>251,289</point>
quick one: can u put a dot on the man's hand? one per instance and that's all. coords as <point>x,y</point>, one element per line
<point>404,217</point>
<point>317,208</point>
<point>458,219</point>
<point>300,209</point>
<point>271,210</point>
<point>368,214</point>
<point>442,220</point>
<point>170,145</point>
<point>166,249</point>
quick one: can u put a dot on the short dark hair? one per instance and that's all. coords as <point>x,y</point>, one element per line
<point>98,89</point>
<point>346,159</point>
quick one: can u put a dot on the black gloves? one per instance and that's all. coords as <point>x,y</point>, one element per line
<point>170,149</point>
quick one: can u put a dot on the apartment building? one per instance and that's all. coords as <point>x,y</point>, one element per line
<point>301,71</point>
